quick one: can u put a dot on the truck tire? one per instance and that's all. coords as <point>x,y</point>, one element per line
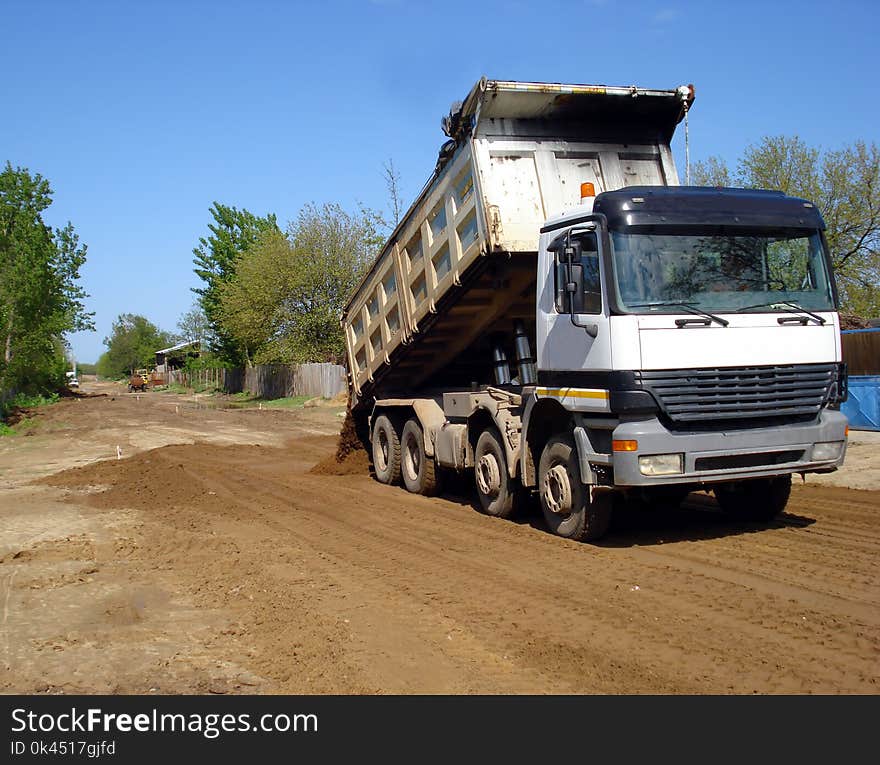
<point>386,451</point>
<point>418,471</point>
<point>565,500</point>
<point>759,499</point>
<point>497,490</point>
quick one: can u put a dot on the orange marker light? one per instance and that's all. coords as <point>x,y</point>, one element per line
<point>624,446</point>
<point>587,190</point>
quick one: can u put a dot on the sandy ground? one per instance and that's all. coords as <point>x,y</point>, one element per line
<point>208,559</point>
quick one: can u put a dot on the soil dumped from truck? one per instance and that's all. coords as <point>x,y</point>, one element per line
<point>351,457</point>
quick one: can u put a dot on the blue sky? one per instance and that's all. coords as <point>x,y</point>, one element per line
<point>142,114</point>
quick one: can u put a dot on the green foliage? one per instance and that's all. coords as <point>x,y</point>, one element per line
<point>23,401</point>
<point>290,402</point>
<point>710,172</point>
<point>207,360</point>
<point>194,325</point>
<point>843,183</point>
<point>86,369</point>
<point>248,400</point>
<point>284,303</point>
<point>40,299</point>
<point>233,232</point>
<point>103,368</point>
<point>132,344</point>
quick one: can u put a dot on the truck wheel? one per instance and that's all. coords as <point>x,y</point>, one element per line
<point>760,499</point>
<point>565,501</point>
<point>417,469</point>
<point>386,451</point>
<point>497,490</point>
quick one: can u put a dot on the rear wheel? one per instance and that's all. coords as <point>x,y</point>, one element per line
<point>565,500</point>
<point>498,491</point>
<point>386,451</point>
<point>760,499</point>
<point>417,469</point>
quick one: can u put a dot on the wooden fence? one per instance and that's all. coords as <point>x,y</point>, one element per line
<point>268,380</point>
<point>861,351</point>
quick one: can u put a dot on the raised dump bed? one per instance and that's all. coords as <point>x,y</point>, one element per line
<point>460,266</point>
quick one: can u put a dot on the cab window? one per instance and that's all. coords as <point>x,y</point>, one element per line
<point>587,297</point>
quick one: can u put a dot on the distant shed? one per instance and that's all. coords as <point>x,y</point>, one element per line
<point>176,356</point>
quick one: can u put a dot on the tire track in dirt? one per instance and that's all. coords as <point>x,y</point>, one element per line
<point>699,622</point>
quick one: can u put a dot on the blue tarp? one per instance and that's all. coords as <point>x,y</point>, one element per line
<point>862,408</point>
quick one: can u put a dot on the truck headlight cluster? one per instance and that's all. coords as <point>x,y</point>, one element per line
<point>661,464</point>
<point>827,450</point>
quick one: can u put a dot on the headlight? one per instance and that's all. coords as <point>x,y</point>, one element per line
<point>827,450</point>
<point>661,464</point>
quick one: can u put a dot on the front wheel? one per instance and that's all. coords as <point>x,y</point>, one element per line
<point>417,468</point>
<point>759,499</point>
<point>565,500</point>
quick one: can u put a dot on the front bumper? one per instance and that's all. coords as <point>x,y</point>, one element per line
<point>728,455</point>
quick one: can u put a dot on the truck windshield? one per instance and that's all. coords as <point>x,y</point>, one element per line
<point>712,271</point>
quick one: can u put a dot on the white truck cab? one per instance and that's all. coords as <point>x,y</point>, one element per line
<point>692,335</point>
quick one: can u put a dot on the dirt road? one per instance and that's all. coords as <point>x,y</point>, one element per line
<point>209,559</point>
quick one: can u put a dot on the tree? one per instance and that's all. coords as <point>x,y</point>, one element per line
<point>289,290</point>
<point>392,182</point>
<point>844,184</point>
<point>710,172</point>
<point>132,343</point>
<point>40,298</point>
<point>194,325</point>
<point>233,232</point>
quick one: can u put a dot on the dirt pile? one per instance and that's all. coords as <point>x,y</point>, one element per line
<point>15,415</point>
<point>849,321</point>
<point>68,393</point>
<point>354,463</point>
<point>350,458</point>
<point>160,475</point>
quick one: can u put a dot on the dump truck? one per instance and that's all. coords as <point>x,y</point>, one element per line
<point>556,315</point>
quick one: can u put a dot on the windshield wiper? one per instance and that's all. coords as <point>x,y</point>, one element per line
<point>790,306</point>
<point>688,307</point>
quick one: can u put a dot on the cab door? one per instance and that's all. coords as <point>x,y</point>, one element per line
<point>573,328</point>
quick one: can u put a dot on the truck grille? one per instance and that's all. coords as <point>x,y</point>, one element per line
<point>689,396</point>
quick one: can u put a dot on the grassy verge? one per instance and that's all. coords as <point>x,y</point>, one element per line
<point>174,388</point>
<point>249,401</point>
<point>13,417</point>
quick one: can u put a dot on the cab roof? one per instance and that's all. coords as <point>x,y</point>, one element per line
<point>705,206</point>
